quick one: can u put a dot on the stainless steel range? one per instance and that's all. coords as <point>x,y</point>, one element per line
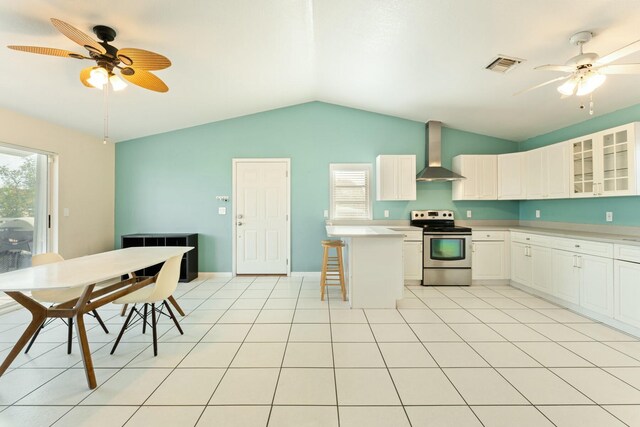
<point>446,249</point>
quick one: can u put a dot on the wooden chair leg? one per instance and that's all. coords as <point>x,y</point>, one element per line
<point>69,334</point>
<point>173,302</point>
<point>154,327</point>
<point>173,317</point>
<point>124,327</point>
<point>38,316</point>
<point>124,310</point>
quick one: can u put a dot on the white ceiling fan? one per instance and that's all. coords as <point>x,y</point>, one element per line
<point>588,71</point>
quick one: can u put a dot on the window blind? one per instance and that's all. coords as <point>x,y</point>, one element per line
<point>350,191</point>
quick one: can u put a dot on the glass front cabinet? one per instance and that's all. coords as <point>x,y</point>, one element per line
<point>604,163</point>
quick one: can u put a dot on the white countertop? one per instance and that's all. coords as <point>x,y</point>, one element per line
<point>570,234</point>
<point>367,231</point>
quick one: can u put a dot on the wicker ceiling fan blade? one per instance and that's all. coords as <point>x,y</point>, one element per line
<point>78,36</point>
<point>143,59</point>
<point>144,79</point>
<point>48,51</point>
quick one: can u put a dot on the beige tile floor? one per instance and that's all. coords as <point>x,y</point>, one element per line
<point>266,351</point>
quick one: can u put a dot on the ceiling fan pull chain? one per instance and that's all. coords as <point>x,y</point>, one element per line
<point>591,104</point>
<point>105,89</point>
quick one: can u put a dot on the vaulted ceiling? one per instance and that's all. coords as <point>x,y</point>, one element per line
<point>416,59</point>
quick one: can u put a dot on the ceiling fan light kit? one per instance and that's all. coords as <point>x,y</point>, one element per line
<point>588,71</point>
<point>133,64</point>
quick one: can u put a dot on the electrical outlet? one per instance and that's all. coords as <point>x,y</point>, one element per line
<point>65,212</point>
<point>537,213</point>
<point>222,211</point>
<point>468,214</point>
<point>386,213</point>
<point>609,216</point>
<point>326,214</point>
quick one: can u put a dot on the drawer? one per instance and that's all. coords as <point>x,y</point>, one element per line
<point>532,239</point>
<point>627,253</point>
<point>488,235</point>
<point>584,247</point>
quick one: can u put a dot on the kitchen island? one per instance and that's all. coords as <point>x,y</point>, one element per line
<point>373,264</point>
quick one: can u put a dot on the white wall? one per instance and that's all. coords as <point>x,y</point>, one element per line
<point>85,180</point>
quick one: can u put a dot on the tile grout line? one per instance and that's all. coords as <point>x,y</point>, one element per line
<point>284,353</point>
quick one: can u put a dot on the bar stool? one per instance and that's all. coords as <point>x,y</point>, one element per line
<point>332,268</point>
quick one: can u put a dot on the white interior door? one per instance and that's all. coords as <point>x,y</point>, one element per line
<point>261,216</point>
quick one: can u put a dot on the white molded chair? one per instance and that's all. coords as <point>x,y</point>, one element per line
<point>164,286</point>
<point>57,296</point>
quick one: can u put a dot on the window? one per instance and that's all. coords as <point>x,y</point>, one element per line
<point>24,206</point>
<point>350,190</point>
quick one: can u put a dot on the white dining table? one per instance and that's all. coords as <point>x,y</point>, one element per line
<point>84,272</point>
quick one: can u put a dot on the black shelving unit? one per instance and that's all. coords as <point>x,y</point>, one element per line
<point>189,264</point>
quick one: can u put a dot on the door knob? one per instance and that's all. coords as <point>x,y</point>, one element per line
<point>239,222</point>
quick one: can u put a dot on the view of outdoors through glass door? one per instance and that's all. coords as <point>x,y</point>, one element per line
<point>24,193</point>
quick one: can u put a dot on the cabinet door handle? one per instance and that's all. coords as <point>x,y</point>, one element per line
<point>579,259</point>
<point>577,246</point>
<point>473,247</point>
<point>574,261</point>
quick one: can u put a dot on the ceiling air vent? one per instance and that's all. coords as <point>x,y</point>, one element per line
<point>502,64</point>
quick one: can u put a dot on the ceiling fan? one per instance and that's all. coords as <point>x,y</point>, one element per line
<point>133,64</point>
<point>588,71</point>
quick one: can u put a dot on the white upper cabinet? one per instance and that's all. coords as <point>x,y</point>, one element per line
<point>481,173</point>
<point>396,177</point>
<point>604,163</point>
<point>511,176</point>
<point>547,172</point>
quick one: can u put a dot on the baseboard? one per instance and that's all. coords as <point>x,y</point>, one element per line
<point>306,274</point>
<point>214,274</point>
<point>491,282</point>
<point>631,330</point>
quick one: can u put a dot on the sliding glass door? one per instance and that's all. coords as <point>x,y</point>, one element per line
<point>24,206</point>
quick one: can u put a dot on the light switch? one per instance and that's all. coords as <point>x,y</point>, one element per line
<point>326,214</point>
<point>609,216</point>
<point>65,212</point>
<point>537,213</point>
<point>222,211</point>
<point>468,214</point>
<point>386,213</point>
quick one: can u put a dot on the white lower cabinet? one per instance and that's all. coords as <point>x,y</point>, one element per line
<point>583,274</point>
<point>596,283</point>
<point>520,263</point>
<point>566,277</point>
<point>627,292</point>
<point>490,255</point>
<point>541,278</point>
<point>412,252</point>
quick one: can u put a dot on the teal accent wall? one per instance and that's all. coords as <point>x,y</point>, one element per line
<point>168,182</point>
<point>625,209</point>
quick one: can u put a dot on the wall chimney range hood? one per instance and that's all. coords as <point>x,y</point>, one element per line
<point>434,170</point>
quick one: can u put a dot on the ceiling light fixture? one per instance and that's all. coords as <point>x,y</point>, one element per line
<point>116,82</point>
<point>590,82</point>
<point>98,77</point>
